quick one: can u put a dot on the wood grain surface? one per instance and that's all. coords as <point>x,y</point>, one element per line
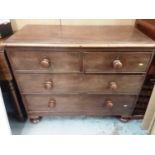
<point>81,104</point>
<point>76,83</point>
<point>80,36</point>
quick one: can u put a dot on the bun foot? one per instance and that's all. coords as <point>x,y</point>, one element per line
<point>124,119</point>
<point>35,120</point>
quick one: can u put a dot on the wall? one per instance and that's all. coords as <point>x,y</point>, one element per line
<point>19,23</point>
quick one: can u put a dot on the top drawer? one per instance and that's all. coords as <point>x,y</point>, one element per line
<point>100,62</point>
<point>45,61</point>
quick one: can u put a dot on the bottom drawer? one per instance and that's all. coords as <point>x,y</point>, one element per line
<point>80,104</point>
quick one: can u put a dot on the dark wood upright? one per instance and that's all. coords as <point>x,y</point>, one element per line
<point>147,26</point>
<point>8,81</point>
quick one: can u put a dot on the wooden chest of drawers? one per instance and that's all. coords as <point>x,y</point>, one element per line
<point>79,70</point>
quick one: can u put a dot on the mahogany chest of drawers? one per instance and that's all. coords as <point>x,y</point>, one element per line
<point>79,70</point>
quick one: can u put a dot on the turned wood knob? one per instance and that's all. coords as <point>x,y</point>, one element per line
<point>45,63</point>
<point>113,85</point>
<point>48,84</point>
<point>109,104</point>
<point>52,103</point>
<point>117,64</point>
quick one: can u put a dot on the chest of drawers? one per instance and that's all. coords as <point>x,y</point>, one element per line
<point>79,70</point>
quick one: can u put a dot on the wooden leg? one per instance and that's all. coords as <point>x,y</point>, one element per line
<point>35,119</point>
<point>124,119</point>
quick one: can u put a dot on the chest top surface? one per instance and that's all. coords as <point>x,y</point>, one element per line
<point>79,36</point>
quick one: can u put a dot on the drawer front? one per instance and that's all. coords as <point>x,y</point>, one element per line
<point>116,62</point>
<point>81,104</point>
<point>46,61</point>
<point>65,83</point>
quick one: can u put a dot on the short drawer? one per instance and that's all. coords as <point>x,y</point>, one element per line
<point>100,62</point>
<point>81,104</point>
<point>45,61</point>
<point>82,83</point>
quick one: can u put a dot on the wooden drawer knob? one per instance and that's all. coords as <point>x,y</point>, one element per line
<point>113,85</point>
<point>51,103</point>
<point>48,84</point>
<point>45,63</point>
<point>109,104</point>
<point>117,64</point>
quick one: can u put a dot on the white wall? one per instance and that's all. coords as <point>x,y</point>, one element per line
<point>19,23</point>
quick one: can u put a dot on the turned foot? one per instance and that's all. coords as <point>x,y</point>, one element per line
<point>124,119</point>
<point>35,120</point>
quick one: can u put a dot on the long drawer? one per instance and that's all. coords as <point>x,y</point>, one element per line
<point>81,104</point>
<point>100,62</point>
<point>73,83</point>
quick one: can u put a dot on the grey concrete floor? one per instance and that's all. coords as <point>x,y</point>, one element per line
<point>78,126</point>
